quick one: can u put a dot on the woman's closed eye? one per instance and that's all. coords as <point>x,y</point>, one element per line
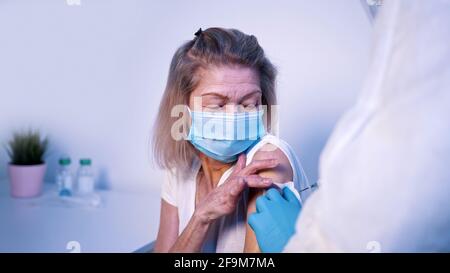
<point>214,107</point>
<point>250,104</point>
<point>236,108</point>
<point>213,102</point>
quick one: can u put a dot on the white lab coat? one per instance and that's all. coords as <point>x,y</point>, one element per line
<point>385,172</point>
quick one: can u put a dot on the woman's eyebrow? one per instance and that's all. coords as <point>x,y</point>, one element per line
<point>251,94</point>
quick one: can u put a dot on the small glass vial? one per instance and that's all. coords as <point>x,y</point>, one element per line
<point>85,181</point>
<point>64,179</point>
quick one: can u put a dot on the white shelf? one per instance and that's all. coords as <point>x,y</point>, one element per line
<point>125,222</point>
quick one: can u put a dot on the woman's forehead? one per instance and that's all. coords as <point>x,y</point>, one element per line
<point>228,81</point>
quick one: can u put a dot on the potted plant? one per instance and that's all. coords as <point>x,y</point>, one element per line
<point>27,167</point>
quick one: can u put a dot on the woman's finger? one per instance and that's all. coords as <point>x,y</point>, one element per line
<point>237,187</point>
<point>257,165</point>
<point>240,164</point>
<point>256,181</point>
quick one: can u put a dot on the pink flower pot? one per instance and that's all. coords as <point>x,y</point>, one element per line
<point>26,181</point>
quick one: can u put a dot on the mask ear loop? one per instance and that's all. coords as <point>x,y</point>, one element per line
<point>188,110</point>
<point>188,124</point>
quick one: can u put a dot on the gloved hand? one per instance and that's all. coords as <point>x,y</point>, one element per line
<point>275,218</point>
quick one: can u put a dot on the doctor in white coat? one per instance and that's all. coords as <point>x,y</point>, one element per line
<point>384,181</point>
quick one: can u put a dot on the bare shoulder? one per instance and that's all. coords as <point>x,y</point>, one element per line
<point>280,174</point>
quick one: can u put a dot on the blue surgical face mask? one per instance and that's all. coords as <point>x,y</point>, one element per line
<point>223,136</point>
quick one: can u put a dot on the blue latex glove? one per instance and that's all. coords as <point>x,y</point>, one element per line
<point>274,219</point>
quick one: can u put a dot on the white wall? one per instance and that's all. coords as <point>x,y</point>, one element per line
<point>91,76</point>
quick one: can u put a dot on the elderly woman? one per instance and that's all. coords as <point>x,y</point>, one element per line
<point>219,154</point>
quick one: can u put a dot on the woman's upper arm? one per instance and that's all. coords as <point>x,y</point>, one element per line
<point>168,227</point>
<point>280,174</point>
<point>283,171</point>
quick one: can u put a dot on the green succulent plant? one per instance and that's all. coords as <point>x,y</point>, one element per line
<point>27,148</point>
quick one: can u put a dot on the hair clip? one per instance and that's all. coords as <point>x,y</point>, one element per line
<point>199,32</point>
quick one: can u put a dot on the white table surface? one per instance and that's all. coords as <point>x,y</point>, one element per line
<point>126,221</point>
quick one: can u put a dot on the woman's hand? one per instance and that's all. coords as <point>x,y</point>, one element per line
<point>223,199</point>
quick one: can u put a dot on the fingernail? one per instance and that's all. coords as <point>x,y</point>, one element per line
<point>267,181</point>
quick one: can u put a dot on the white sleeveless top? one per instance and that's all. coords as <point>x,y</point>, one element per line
<point>228,233</point>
